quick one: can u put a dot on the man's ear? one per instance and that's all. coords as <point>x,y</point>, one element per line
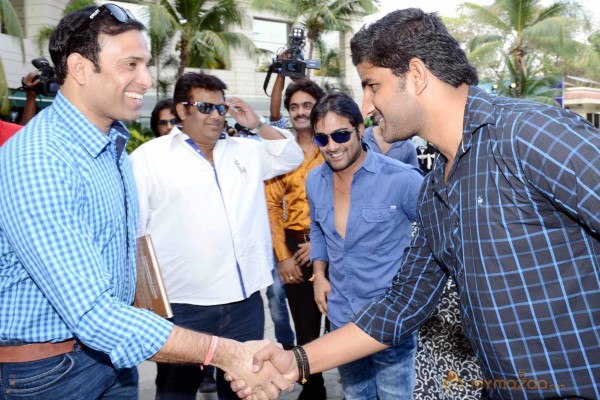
<point>182,111</point>
<point>76,68</point>
<point>361,131</point>
<point>418,73</point>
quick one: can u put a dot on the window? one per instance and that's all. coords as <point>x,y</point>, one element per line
<point>594,118</point>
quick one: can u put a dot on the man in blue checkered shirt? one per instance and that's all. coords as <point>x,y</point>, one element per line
<point>68,217</point>
<point>510,212</point>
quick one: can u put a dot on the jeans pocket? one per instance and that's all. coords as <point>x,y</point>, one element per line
<point>43,375</point>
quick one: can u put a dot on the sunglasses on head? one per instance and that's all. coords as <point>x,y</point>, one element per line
<point>207,108</point>
<point>164,122</point>
<point>340,136</point>
<point>119,13</point>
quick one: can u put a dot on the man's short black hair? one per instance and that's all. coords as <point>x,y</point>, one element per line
<point>302,85</point>
<point>195,80</point>
<point>338,103</point>
<point>402,35</point>
<point>77,33</point>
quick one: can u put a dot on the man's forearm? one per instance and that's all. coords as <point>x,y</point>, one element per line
<point>185,347</point>
<point>339,347</point>
<point>275,106</point>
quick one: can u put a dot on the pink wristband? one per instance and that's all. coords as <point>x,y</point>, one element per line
<point>211,351</point>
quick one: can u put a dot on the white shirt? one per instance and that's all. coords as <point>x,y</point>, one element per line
<point>200,226</point>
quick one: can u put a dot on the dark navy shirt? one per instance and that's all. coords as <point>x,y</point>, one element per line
<point>517,227</point>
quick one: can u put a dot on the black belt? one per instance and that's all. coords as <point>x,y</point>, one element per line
<point>298,235</point>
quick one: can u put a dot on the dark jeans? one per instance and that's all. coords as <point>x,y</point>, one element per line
<point>80,374</point>
<point>241,321</point>
<point>305,313</point>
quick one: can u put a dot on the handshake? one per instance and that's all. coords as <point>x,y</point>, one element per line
<point>260,369</point>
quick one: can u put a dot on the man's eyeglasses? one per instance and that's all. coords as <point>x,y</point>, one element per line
<point>119,13</point>
<point>207,108</point>
<point>165,122</point>
<point>341,136</point>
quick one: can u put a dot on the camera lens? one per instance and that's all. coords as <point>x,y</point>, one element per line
<point>291,67</point>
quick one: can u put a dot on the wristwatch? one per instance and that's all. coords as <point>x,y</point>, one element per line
<point>261,121</point>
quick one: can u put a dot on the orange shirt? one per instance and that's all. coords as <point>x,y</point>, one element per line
<point>290,187</point>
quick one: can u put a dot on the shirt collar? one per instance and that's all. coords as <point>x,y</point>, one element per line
<point>82,129</point>
<point>368,164</point>
<point>478,113</point>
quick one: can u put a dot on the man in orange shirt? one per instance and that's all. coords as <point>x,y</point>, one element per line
<point>290,227</point>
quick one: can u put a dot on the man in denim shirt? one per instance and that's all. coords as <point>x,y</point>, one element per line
<point>362,206</point>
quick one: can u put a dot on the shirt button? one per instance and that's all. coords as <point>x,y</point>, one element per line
<point>467,325</point>
<point>455,222</point>
<point>460,273</point>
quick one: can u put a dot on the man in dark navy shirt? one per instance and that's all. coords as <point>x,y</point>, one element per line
<point>510,212</point>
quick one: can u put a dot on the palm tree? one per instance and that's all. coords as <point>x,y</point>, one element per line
<point>319,16</point>
<point>204,28</point>
<point>535,85</point>
<point>521,27</point>
<point>12,25</point>
<point>45,32</point>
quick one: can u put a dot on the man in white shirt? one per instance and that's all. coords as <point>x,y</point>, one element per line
<point>202,200</point>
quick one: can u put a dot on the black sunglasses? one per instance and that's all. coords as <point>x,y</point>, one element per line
<point>341,136</point>
<point>164,122</point>
<point>207,108</point>
<point>119,13</point>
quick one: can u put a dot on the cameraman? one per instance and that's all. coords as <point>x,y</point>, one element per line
<point>8,129</point>
<point>290,235</point>
<point>30,82</point>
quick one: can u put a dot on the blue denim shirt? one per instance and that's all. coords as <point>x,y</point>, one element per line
<point>383,204</point>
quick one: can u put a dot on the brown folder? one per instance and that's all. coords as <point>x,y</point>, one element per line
<point>150,291</point>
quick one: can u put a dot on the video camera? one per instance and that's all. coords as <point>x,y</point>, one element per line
<point>48,85</point>
<point>294,65</point>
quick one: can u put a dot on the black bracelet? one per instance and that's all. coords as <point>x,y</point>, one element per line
<point>302,363</point>
<point>24,85</point>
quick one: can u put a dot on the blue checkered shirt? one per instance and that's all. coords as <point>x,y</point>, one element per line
<point>517,227</point>
<point>280,123</point>
<point>68,216</point>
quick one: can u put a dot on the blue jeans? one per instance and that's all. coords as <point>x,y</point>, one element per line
<point>80,374</point>
<point>387,375</point>
<point>243,320</point>
<point>279,311</point>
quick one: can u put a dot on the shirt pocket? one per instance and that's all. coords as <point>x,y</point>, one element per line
<point>376,227</point>
<point>379,214</point>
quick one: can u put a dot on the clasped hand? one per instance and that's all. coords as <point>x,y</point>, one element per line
<point>268,361</point>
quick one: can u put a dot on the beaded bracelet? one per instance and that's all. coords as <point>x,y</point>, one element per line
<point>302,363</point>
